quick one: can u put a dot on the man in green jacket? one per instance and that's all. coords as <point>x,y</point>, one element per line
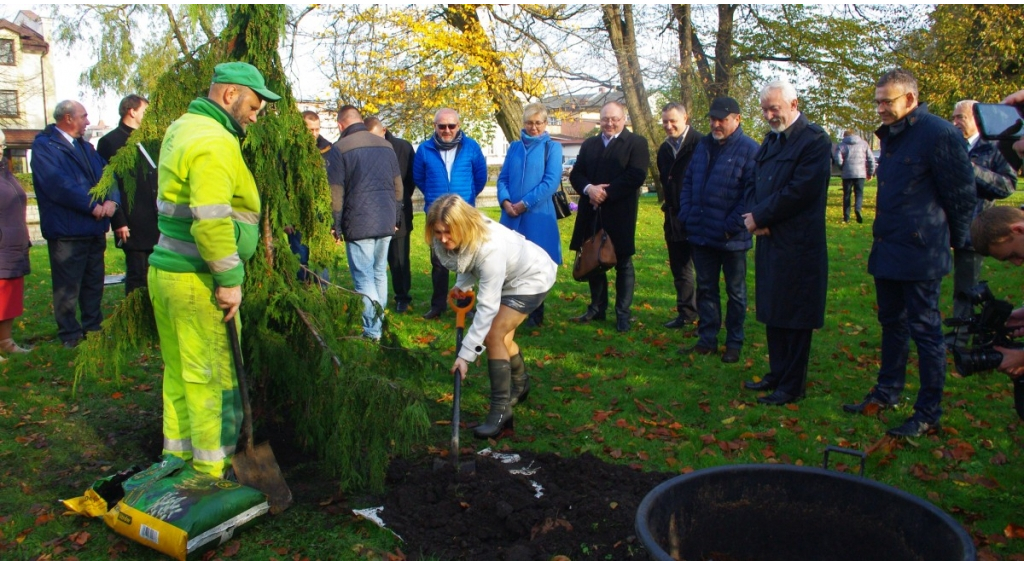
<point>209,211</point>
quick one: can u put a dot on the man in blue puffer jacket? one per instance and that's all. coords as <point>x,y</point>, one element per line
<point>64,168</point>
<point>711,209</point>
<point>447,162</point>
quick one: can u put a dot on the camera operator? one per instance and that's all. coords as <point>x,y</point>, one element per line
<point>998,232</point>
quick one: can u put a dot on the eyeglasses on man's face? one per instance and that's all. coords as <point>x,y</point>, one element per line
<point>449,126</point>
<point>888,102</point>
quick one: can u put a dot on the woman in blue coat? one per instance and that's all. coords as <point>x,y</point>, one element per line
<point>529,178</point>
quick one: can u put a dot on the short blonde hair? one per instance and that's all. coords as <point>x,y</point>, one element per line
<point>535,109</point>
<point>467,226</point>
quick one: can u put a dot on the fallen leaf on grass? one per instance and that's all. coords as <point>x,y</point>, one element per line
<point>885,445</point>
<point>231,549</point>
<point>20,538</point>
<point>44,519</point>
<point>1014,531</point>
<point>397,556</point>
<point>80,538</point>
<point>998,460</point>
<point>117,395</point>
<point>729,420</point>
<point>918,471</point>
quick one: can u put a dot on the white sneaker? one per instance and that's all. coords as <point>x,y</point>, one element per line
<point>9,346</point>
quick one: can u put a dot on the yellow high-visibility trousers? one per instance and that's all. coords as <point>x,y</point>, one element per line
<point>202,406</point>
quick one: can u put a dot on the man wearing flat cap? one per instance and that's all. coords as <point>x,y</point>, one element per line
<point>711,209</point>
<point>209,211</point>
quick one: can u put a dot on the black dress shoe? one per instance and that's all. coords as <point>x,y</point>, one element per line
<point>434,313</point>
<point>401,307</point>
<point>913,428</point>
<point>678,322</point>
<point>764,385</point>
<point>622,324</point>
<point>859,218</point>
<point>779,397</point>
<point>870,406</point>
<point>731,355</point>
<point>588,316</point>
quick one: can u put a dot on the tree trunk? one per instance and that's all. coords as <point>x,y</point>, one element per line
<point>508,112</point>
<point>723,51</point>
<point>681,12</point>
<point>618,21</point>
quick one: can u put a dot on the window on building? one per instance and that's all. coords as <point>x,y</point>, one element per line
<point>6,51</point>
<point>9,103</point>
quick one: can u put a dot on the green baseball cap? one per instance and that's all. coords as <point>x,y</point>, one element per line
<point>244,74</point>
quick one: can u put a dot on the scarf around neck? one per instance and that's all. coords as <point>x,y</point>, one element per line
<point>443,146</point>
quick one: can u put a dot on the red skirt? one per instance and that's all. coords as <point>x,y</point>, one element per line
<point>12,297</point>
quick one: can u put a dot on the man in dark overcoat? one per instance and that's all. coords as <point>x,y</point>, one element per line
<point>786,202</point>
<point>398,251</point>
<point>673,157</point>
<point>924,206</point>
<point>609,171</point>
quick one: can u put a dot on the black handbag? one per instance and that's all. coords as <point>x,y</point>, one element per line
<point>561,201</point>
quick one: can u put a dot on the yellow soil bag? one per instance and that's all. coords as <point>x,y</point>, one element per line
<point>174,509</point>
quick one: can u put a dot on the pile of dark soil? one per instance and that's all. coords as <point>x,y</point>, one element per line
<point>585,511</point>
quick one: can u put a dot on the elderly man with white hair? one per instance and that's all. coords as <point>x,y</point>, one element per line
<point>785,205</point>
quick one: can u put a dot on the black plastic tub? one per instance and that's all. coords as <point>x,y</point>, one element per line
<point>782,512</point>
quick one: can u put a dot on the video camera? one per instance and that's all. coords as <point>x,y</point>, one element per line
<point>1003,124</point>
<point>986,327</point>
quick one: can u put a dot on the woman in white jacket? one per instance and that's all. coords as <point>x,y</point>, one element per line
<point>513,277</point>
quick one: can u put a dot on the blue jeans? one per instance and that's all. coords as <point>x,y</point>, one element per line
<point>368,263</point>
<point>910,309</point>
<point>302,251</point>
<point>709,263</point>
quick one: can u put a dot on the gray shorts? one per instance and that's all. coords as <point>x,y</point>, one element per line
<point>524,304</point>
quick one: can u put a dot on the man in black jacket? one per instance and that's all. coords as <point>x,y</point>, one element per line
<point>673,157</point>
<point>398,251</point>
<point>371,180</point>
<point>786,202</point>
<point>924,205</point>
<point>609,171</point>
<point>134,222</point>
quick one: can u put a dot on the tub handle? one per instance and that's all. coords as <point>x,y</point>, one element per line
<point>849,451</point>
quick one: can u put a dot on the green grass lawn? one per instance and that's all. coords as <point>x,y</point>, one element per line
<point>628,398</point>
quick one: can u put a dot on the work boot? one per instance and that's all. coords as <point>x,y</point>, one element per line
<point>500,414</point>
<point>520,379</point>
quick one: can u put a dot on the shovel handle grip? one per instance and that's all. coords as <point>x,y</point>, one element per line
<point>462,306</point>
